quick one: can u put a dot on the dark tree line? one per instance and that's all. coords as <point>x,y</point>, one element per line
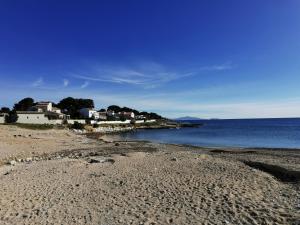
<point>24,104</point>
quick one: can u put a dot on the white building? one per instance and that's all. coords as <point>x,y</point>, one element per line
<point>2,117</point>
<point>44,106</point>
<point>102,115</point>
<point>56,110</point>
<point>89,113</point>
<point>140,117</point>
<point>127,115</point>
<point>35,117</point>
<point>110,113</point>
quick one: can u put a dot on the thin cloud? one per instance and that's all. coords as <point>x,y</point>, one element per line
<point>85,84</point>
<point>221,67</point>
<point>66,82</point>
<point>38,82</point>
<point>149,76</point>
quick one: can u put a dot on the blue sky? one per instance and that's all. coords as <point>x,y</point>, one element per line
<point>211,59</point>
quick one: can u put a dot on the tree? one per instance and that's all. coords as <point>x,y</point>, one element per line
<point>72,106</point>
<point>126,109</point>
<point>77,126</point>
<point>151,115</point>
<point>114,108</point>
<point>24,104</point>
<point>145,114</point>
<point>5,110</point>
<point>12,117</point>
<point>122,118</point>
<point>155,116</point>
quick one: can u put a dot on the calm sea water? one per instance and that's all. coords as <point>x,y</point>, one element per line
<point>271,133</point>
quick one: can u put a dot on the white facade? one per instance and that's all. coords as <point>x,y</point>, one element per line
<point>140,117</point>
<point>36,118</point>
<point>2,117</point>
<point>56,110</point>
<point>113,122</point>
<point>70,121</point>
<point>127,114</point>
<point>102,116</point>
<point>89,113</point>
<point>45,106</point>
<point>110,113</point>
<point>145,121</point>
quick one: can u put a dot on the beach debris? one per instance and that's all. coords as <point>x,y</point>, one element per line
<point>93,161</point>
<point>6,173</point>
<point>100,160</point>
<point>29,159</point>
<point>171,220</point>
<point>117,144</point>
<point>203,156</point>
<point>12,162</point>
<point>174,159</point>
<point>96,175</point>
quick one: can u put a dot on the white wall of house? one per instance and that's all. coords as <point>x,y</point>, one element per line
<point>143,121</point>
<point>114,122</point>
<point>45,106</point>
<point>89,113</point>
<point>139,121</point>
<point>2,119</point>
<point>127,114</point>
<point>56,110</point>
<point>36,118</point>
<point>121,122</point>
<point>150,121</point>
<point>78,121</point>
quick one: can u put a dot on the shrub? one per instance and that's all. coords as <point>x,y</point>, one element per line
<point>77,126</point>
<point>35,126</point>
<point>95,125</point>
<point>12,117</point>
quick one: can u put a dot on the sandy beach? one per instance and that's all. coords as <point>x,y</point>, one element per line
<point>58,177</point>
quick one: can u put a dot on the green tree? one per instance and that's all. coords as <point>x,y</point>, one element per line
<point>12,117</point>
<point>122,118</point>
<point>71,106</point>
<point>154,116</point>
<point>5,110</point>
<point>114,108</point>
<point>24,104</point>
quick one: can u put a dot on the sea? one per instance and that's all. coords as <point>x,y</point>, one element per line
<point>260,133</point>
